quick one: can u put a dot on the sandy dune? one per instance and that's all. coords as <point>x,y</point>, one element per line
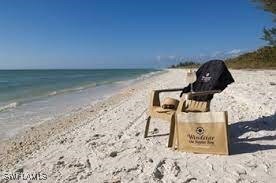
<point>107,144</point>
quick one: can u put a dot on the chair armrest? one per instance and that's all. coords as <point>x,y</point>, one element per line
<point>155,99</point>
<point>170,90</point>
<point>201,93</point>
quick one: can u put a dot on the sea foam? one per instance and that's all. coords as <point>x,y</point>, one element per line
<point>9,106</point>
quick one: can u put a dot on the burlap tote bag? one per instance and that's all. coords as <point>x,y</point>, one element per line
<point>202,132</point>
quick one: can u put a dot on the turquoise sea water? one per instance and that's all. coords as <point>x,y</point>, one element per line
<point>31,97</point>
<point>21,86</point>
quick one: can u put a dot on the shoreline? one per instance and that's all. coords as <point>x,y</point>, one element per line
<point>33,138</point>
<point>97,143</point>
<point>18,116</point>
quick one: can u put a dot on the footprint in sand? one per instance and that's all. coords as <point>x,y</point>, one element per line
<point>166,168</point>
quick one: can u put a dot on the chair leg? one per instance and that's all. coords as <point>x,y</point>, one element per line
<point>147,127</point>
<point>176,137</point>
<point>172,129</point>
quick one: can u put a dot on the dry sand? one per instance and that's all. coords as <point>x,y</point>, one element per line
<point>104,142</point>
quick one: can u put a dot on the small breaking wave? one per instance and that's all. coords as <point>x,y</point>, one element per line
<point>54,93</point>
<point>8,106</point>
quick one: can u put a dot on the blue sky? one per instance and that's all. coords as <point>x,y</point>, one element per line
<point>123,33</point>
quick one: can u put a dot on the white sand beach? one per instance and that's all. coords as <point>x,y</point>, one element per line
<point>104,142</point>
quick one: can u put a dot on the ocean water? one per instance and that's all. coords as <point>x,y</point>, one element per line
<point>29,97</point>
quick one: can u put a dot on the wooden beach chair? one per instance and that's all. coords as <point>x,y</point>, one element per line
<point>212,75</point>
<point>184,105</point>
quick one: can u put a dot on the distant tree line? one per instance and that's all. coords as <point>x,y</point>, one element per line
<point>263,58</point>
<point>188,64</point>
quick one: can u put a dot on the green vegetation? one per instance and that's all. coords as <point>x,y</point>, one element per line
<point>186,64</point>
<point>269,33</point>
<point>263,58</point>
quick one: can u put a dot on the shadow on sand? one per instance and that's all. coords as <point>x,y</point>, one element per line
<point>159,135</point>
<point>241,145</point>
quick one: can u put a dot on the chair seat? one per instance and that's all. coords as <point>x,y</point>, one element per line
<point>159,112</point>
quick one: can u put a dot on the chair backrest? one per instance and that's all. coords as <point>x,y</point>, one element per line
<point>187,105</point>
<point>197,106</point>
<point>212,75</point>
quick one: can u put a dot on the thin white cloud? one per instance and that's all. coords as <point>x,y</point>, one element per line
<point>216,53</point>
<point>226,54</point>
<point>158,58</point>
<point>166,60</point>
<point>172,57</point>
<point>234,51</point>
